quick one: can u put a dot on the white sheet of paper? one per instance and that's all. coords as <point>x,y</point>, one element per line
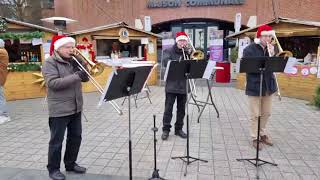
<point>210,66</point>
<point>289,66</point>
<point>36,41</point>
<point>46,48</point>
<point>318,75</point>
<point>144,40</point>
<point>238,65</point>
<point>150,48</point>
<point>105,90</point>
<point>167,70</point>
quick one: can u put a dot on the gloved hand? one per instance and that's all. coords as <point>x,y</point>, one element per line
<point>75,65</point>
<point>83,75</point>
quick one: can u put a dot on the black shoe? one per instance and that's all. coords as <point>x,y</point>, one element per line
<point>57,175</point>
<point>165,135</point>
<point>77,169</point>
<point>181,134</point>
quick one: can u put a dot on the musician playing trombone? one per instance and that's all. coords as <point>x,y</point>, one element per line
<point>261,47</point>
<point>175,89</point>
<point>63,79</point>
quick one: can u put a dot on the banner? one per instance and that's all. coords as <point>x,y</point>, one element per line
<point>216,45</point>
<point>167,43</point>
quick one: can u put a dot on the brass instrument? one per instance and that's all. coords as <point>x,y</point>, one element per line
<point>196,54</point>
<point>281,53</point>
<point>94,69</point>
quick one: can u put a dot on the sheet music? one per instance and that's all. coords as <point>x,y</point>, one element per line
<point>105,89</point>
<point>167,71</point>
<point>145,83</point>
<point>289,66</point>
<point>209,69</point>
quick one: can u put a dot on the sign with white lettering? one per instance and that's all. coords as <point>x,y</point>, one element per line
<point>191,3</point>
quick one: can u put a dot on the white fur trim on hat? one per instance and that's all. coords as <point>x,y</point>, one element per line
<point>1,43</point>
<point>63,41</point>
<point>181,38</point>
<point>268,33</point>
<point>257,40</point>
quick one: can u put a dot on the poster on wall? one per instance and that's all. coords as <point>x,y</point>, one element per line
<point>243,43</point>
<point>167,43</point>
<point>210,34</point>
<point>318,60</point>
<point>216,46</point>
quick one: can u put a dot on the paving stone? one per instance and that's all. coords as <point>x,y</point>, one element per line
<point>293,127</point>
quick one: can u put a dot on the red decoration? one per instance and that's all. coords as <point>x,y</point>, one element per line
<point>89,46</point>
<point>93,58</point>
<point>85,39</point>
<point>81,46</point>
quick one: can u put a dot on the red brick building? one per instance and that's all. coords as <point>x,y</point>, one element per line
<point>193,16</point>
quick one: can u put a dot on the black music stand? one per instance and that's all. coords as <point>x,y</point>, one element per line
<point>155,173</point>
<point>260,65</point>
<point>124,83</point>
<point>185,70</point>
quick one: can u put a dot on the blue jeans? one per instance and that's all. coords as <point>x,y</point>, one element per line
<point>3,106</point>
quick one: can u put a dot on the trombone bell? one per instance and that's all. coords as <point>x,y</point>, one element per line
<point>197,55</point>
<point>94,69</point>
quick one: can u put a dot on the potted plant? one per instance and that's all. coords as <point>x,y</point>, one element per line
<point>317,97</point>
<point>233,59</point>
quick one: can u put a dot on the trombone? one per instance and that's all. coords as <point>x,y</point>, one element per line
<point>281,53</point>
<point>94,69</point>
<point>195,55</point>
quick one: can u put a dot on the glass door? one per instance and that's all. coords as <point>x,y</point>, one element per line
<point>199,38</point>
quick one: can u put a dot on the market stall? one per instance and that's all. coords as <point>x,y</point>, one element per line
<point>27,45</point>
<point>116,41</point>
<point>302,38</point>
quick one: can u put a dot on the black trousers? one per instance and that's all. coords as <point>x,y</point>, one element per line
<point>181,106</point>
<point>58,126</point>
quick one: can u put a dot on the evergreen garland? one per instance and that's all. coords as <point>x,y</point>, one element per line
<point>317,98</point>
<point>24,36</point>
<point>24,67</point>
<point>3,25</point>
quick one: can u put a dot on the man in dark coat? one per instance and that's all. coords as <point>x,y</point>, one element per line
<point>63,80</point>
<point>175,89</point>
<point>261,47</point>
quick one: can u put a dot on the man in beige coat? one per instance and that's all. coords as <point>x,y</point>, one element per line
<point>4,60</point>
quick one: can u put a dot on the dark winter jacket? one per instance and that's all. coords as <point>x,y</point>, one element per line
<point>63,86</point>
<point>269,85</point>
<point>174,86</point>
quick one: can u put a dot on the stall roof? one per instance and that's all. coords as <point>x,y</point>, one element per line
<point>110,26</point>
<point>29,25</point>
<point>277,21</point>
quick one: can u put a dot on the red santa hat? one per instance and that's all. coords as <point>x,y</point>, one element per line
<point>264,30</point>
<point>181,36</point>
<point>60,40</point>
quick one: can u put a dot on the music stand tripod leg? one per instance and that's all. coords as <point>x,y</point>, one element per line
<point>187,158</point>
<point>210,94</point>
<point>257,159</point>
<point>204,106</point>
<point>155,174</point>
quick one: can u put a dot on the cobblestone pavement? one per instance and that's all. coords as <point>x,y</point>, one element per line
<point>294,127</point>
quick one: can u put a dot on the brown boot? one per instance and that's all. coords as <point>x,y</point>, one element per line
<point>266,140</point>
<point>254,144</point>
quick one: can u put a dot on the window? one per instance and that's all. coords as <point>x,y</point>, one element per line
<point>105,47</point>
<point>20,52</point>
